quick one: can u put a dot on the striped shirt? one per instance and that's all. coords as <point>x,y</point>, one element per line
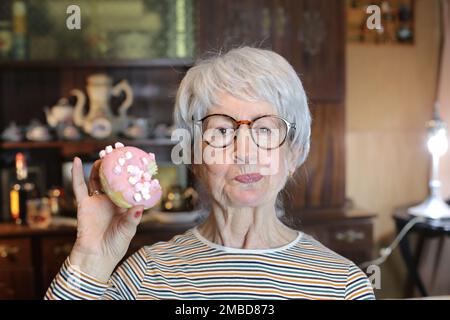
<point>191,267</point>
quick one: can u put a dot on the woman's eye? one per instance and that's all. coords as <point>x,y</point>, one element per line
<point>264,130</point>
<point>223,130</point>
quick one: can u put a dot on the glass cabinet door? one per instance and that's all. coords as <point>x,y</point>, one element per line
<point>105,29</point>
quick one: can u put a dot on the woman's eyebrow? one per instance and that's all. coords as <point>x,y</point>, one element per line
<point>238,118</point>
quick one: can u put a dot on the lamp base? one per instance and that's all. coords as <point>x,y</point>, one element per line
<point>432,208</point>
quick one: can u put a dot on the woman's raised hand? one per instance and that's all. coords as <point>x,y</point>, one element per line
<point>104,231</point>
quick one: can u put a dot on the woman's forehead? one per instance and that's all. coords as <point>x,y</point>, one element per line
<point>241,109</point>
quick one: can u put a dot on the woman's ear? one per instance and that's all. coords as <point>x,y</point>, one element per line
<point>293,157</point>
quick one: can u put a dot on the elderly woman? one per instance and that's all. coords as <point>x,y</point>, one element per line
<point>250,110</point>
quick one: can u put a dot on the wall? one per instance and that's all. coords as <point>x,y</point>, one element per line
<point>390,93</point>
<point>444,94</point>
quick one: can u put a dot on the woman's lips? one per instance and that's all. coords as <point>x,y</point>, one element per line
<point>248,178</point>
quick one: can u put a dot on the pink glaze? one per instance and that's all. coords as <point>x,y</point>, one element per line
<point>118,181</point>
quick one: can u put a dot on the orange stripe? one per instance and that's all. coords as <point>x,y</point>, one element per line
<point>255,258</point>
<point>170,244</point>
<point>359,292</point>
<point>232,274</point>
<point>355,276</point>
<point>240,289</point>
<point>296,254</point>
<point>316,257</point>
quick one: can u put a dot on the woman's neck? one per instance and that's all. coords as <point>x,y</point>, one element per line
<point>246,228</point>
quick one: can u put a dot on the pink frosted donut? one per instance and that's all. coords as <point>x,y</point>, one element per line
<point>126,176</point>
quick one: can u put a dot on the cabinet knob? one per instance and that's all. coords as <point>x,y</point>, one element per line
<point>350,236</point>
<point>8,251</point>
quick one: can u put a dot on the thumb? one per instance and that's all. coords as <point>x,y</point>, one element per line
<point>132,218</point>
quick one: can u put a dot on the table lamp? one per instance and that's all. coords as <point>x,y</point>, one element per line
<point>434,207</point>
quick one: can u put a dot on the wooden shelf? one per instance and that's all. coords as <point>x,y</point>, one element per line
<point>60,143</point>
<point>371,46</point>
<point>151,63</point>
<point>13,230</point>
<point>88,146</point>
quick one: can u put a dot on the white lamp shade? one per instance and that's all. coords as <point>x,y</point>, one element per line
<point>438,143</point>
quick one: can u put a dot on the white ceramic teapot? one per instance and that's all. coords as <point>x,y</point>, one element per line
<point>62,112</point>
<point>100,122</point>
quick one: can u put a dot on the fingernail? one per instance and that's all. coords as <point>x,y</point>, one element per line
<point>137,214</point>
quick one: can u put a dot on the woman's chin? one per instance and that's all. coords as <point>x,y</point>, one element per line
<point>246,198</point>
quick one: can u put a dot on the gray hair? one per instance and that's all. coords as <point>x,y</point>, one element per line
<point>249,74</point>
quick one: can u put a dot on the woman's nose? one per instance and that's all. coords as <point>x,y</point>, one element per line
<point>245,149</point>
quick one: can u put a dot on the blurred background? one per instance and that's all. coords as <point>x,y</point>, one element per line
<point>76,76</point>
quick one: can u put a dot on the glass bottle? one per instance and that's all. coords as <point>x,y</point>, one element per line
<point>22,189</point>
<point>5,30</point>
<point>19,28</point>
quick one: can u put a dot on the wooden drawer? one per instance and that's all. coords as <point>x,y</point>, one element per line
<point>16,269</point>
<point>54,250</point>
<point>351,238</point>
<point>15,253</point>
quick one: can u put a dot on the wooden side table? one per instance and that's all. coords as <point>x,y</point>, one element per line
<point>425,230</point>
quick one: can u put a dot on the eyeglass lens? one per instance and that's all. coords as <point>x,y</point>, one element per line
<point>267,132</point>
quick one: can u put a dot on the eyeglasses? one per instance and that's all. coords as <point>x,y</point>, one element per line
<point>268,131</point>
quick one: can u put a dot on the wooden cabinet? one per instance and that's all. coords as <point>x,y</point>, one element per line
<point>30,258</point>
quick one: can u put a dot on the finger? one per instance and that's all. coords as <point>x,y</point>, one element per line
<point>121,210</point>
<point>94,177</point>
<point>78,183</point>
<point>131,219</point>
